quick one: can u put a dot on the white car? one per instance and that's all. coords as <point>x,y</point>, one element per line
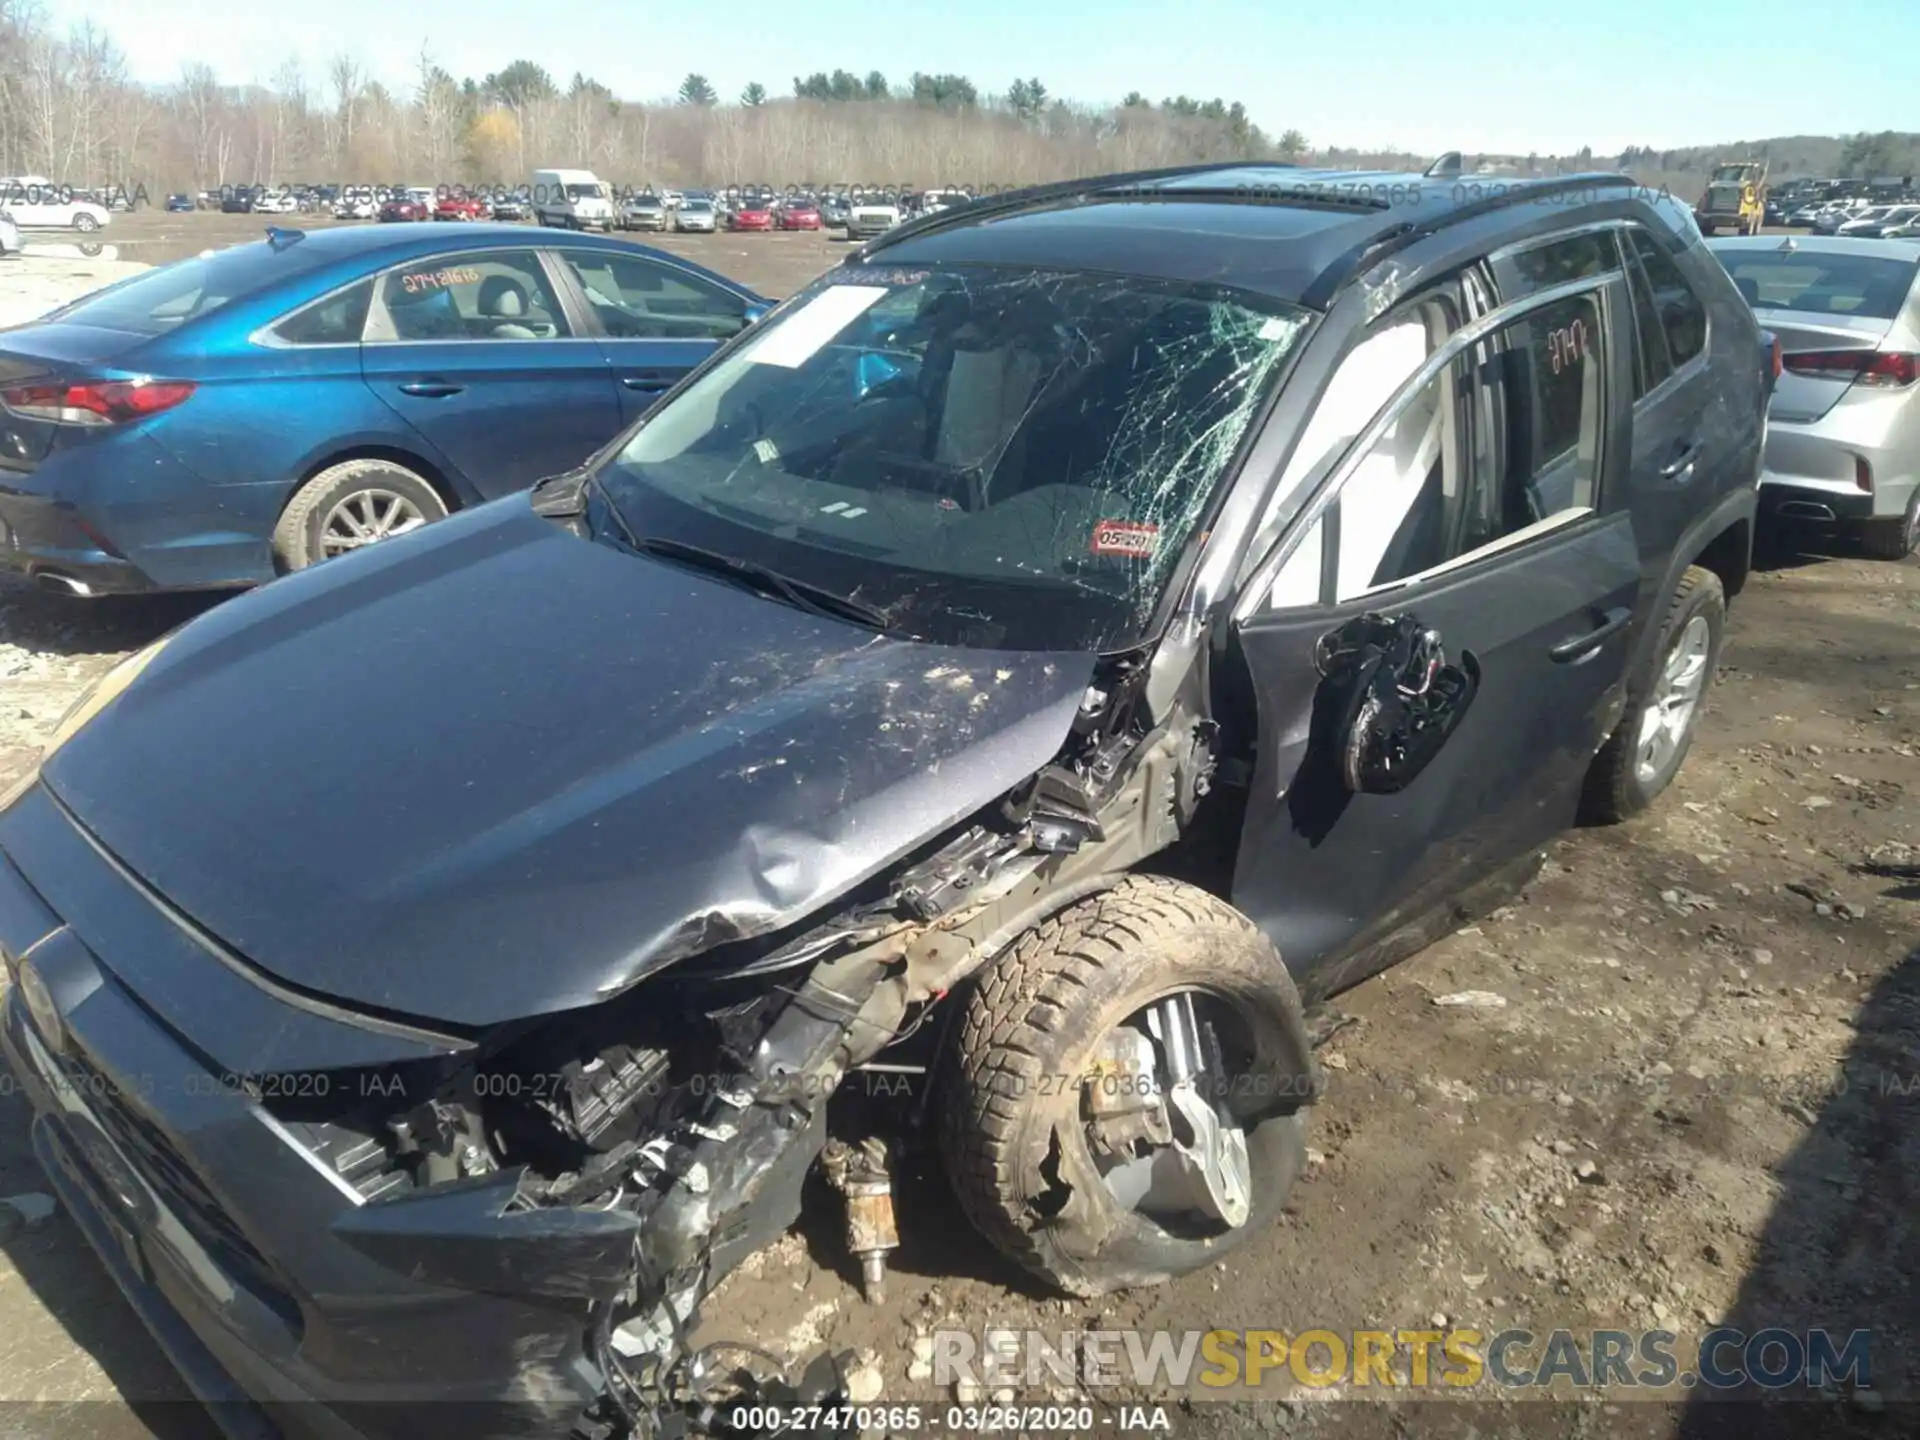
<point>276,205</point>
<point>9,236</point>
<point>671,199</point>
<point>36,203</point>
<point>866,220</point>
<point>355,207</point>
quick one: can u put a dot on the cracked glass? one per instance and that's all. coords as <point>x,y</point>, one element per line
<point>986,456</point>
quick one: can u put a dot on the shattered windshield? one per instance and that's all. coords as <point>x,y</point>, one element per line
<point>988,457</point>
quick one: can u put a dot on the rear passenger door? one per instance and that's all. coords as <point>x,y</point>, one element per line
<point>1473,503</point>
<point>1678,439</point>
<point>653,321</point>
<point>480,356</point>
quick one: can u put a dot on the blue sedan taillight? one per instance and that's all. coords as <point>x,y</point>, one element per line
<point>95,402</point>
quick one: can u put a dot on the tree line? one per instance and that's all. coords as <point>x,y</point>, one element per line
<point>70,111</point>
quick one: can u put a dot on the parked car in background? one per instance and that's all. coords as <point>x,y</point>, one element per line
<point>405,207</point>
<point>10,242</point>
<point>868,218</point>
<point>215,421</point>
<point>1843,437</point>
<point>236,201</point>
<point>643,212</point>
<point>276,202</point>
<point>180,204</point>
<point>798,215</point>
<point>878,687</point>
<point>672,198</point>
<point>751,214</point>
<point>511,207</point>
<point>834,211</point>
<point>572,200</point>
<point>694,214</point>
<point>1873,224</point>
<point>36,203</point>
<point>356,205</point>
<point>460,207</point>
<point>1841,212</point>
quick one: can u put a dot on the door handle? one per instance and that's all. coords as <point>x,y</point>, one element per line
<point>1681,465</point>
<point>1584,645</point>
<point>430,389</point>
<point>651,384</point>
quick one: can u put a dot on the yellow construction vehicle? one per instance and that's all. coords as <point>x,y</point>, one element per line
<point>1736,195</point>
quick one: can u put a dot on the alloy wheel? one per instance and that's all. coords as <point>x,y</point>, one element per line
<point>365,516</point>
<point>1670,709</point>
<point>1160,1136</point>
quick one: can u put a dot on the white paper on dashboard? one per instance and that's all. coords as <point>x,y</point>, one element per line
<point>800,336</point>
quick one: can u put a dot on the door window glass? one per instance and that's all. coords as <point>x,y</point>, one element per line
<point>1682,316</point>
<point>494,295</point>
<point>1651,363</point>
<point>1298,582</point>
<point>336,320</point>
<point>1426,495</point>
<point>637,299</point>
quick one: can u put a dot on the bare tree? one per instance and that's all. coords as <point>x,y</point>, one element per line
<point>438,103</point>
<point>349,83</point>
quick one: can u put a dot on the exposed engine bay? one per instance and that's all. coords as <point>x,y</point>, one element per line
<point>656,1141</point>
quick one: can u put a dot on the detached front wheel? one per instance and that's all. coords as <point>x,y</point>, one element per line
<point>1127,1096</point>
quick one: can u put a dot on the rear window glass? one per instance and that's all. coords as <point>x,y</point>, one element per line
<point>168,298</point>
<point>1822,283</point>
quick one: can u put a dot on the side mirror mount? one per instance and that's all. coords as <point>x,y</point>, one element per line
<point>755,313</point>
<point>1399,699</point>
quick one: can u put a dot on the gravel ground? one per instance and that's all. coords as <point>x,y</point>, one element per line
<point>1694,1102</point>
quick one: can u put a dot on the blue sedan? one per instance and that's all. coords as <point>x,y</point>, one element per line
<point>221,420</point>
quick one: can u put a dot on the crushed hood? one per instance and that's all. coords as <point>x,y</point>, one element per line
<point>493,770</point>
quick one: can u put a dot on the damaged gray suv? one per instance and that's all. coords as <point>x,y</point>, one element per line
<point>1071,637</point>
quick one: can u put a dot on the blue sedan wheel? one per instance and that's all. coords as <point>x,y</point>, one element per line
<point>350,506</point>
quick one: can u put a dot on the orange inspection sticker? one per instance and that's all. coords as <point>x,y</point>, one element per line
<point>1126,537</point>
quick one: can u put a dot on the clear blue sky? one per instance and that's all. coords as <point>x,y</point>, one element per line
<point>1498,75</point>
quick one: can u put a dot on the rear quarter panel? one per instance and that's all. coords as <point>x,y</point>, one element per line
<point>262,420</point>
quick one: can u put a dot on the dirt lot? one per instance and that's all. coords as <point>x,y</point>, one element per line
<point>1695,1104</point>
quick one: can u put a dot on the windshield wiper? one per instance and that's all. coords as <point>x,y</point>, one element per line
<point>800,594</point>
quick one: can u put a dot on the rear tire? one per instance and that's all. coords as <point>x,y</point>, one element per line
<point>326,514</point>
<point>1015,1141</point>
<point>1619,784</point>
<point>1893,539</point>
<point>85,224</point>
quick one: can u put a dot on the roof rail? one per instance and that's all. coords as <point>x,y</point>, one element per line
<point>1008,201</point>
<point>1503,193</point>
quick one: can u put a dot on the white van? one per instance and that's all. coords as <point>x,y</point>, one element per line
<point>572,199</point>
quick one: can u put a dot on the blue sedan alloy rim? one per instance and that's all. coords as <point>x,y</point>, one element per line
<point>365,516</point>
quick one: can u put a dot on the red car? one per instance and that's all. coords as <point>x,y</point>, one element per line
<point>402,208</point>
<point>799,215</point>
<point>460,207</point>
<point>752,215</point>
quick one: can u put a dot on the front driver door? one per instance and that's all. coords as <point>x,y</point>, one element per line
<point>656,321</point>
<point>1475,504</point>
<point>477,355</point>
